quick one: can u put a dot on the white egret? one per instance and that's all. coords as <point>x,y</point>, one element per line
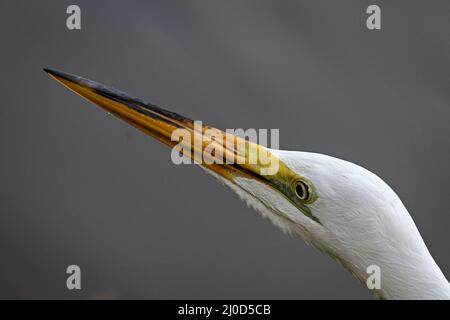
<point>339,207</point>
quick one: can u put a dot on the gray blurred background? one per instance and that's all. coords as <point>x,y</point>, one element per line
<point>81,187</point>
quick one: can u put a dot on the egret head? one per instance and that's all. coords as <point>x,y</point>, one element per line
<point>354,217</point>
<point>337,206</point>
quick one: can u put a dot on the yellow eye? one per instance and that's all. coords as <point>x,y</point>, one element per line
<point>302,190</point>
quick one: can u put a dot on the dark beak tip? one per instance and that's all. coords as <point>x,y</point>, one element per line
<point>46,70</point>
<point>51,72</point>
<point>63,75</point>
<point>57,73</point>
<point>54,73</point>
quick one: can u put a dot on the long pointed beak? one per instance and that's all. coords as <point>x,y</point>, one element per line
<point>161,124</point>
<point>241,158</point>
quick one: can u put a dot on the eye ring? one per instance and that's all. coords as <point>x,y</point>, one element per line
<point>302,190</point>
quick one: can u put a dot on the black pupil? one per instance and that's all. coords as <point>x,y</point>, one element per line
<point>300,189</point>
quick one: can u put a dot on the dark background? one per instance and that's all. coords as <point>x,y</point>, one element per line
<point>81,187</point>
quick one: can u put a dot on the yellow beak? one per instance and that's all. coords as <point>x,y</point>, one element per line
<point>161,124</point>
